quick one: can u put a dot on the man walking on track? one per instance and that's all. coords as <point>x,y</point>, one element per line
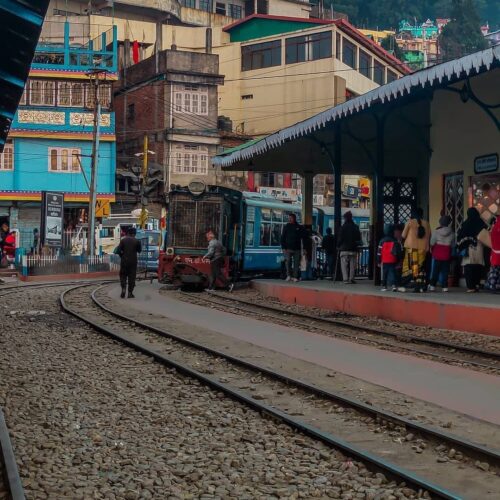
<point>215,254</point>
<point>291,243</point>
<point>128,249</point>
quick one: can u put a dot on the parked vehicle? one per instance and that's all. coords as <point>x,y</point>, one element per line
<point>151,243</point>
<point>249,225</point>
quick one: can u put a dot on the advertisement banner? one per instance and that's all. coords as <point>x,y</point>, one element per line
<point>52,218</point>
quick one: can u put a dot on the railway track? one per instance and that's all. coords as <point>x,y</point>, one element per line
<point>10,480</point>
<point>192,358</point>
<point>471,356</point>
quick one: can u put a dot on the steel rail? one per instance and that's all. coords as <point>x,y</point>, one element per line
<point>11,472</point>
<point>374,462</point>
<point>375,331</point>
<point>20,288</point>
<point>472,449</point>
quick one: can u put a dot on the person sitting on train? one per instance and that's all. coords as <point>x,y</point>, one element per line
<point>291,244</point>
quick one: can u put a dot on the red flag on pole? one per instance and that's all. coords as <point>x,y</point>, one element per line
<point>135,51</point>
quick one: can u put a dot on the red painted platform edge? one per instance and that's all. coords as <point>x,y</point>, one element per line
<point>73,277</point>
<point>466,318</point>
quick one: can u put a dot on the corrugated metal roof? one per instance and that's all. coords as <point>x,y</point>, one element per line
<point>432,77</point>
<point>20,25</point>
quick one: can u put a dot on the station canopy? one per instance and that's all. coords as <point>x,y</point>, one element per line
<point>20,26</point>
<point>401,109</point>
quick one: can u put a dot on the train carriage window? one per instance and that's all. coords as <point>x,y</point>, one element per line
<point>265,234</point>
<point>249,234</point>
<point>276,235</point>
<point>265,214</point>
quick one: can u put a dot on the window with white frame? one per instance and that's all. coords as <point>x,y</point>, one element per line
<point>43,92</point>
<point>70,94</point>
<point>64,160</point>
<point>23,99</point>
<point>7,157</point>
<point>190,159</point>
<point>191,99</point>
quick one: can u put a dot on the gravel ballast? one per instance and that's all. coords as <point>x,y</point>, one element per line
<point>90,418</point>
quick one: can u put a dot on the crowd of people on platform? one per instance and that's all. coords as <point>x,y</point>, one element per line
<point>411,257</point>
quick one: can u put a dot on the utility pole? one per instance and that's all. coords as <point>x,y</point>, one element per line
<point>144,216</point>
<point>94,164</point>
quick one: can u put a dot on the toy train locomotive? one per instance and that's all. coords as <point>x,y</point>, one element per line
<point>248,224</point>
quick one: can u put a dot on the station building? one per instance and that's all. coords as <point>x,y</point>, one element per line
<point>429,139</point>
<point>50,142</point>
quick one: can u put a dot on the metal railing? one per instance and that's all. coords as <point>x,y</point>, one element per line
<point>362,263</point>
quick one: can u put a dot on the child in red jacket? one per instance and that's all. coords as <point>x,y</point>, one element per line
<point>389,255</point>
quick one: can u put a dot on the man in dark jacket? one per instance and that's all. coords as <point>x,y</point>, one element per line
<point>291,243</point>
<point>128,249</point>
<point>215,254</point>
<point>348,242</point>
<point>328,246</point>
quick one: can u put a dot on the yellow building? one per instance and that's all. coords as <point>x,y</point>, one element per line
<point>377,35</point>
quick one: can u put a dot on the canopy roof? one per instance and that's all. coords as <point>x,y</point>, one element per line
<point>404,105</point>
<point>20,25</point>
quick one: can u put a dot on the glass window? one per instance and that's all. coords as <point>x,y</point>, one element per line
<point>194,105</point>
<point>77,94</point>
<point>75,160</point>
<point>338,46</point>
<point>36,92</point>
<point>7,157</point>
<point>391,76</point>
<point>349,53</point>
<point>265,235</point>
<point>220,8</point>
<point>379,73</point>
<point>53,159</point>
<point>261,55</point>
<point>295,50</point>
<point>365,64</point>
<point>64,159</point>
<point>205,5</point>
<point>276,235</point>
<point>320,46</point>
<point>249,236</point>
<point>277,215</point>
<point>265,214</point>
<point>235,11</point>
<point>64,94</point>
<point>204,105</point>
<point>49,93</point>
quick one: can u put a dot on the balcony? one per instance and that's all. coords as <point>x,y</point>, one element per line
<point>65,46</point>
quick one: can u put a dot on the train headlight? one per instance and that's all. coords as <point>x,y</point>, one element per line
<point>197,187</point>
<point>170,251</point>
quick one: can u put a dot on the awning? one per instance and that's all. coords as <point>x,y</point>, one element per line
<point>405,88</point>
<point>20,25</point>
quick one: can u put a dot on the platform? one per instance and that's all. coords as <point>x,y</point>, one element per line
<point>440,384</point>
<point>455,310</point>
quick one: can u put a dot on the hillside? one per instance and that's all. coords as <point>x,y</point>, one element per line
<point>386,14</point>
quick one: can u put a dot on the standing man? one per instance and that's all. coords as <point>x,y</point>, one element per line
<point>328,246</point>
<point>291,243</point>
<point>128,249</point>
<point>348,242</point>
<point>215,254</point>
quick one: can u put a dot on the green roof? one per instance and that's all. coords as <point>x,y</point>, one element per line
<point>260,25</point>
<point>241,146</point>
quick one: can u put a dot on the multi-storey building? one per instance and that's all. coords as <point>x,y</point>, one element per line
<point>172,99</point>
<point>50,142</point>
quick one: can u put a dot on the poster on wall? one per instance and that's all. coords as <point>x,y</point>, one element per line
<point>52,218</point>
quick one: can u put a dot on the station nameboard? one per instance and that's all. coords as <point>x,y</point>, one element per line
<point>52,218</point>
<point>486,164</point>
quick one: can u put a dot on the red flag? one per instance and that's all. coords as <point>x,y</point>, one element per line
<point>135,51</point>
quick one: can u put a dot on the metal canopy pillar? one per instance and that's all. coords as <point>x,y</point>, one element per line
<point>378,194</point>
<point>307,198</point>
<point>337,178</point>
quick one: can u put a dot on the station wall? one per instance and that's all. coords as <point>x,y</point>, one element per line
<point>460,133</point>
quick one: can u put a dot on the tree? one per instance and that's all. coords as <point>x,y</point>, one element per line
<point>462,35</point>
<point>389,43</point>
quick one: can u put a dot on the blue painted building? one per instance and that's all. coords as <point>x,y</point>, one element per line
<point>50,142</point>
